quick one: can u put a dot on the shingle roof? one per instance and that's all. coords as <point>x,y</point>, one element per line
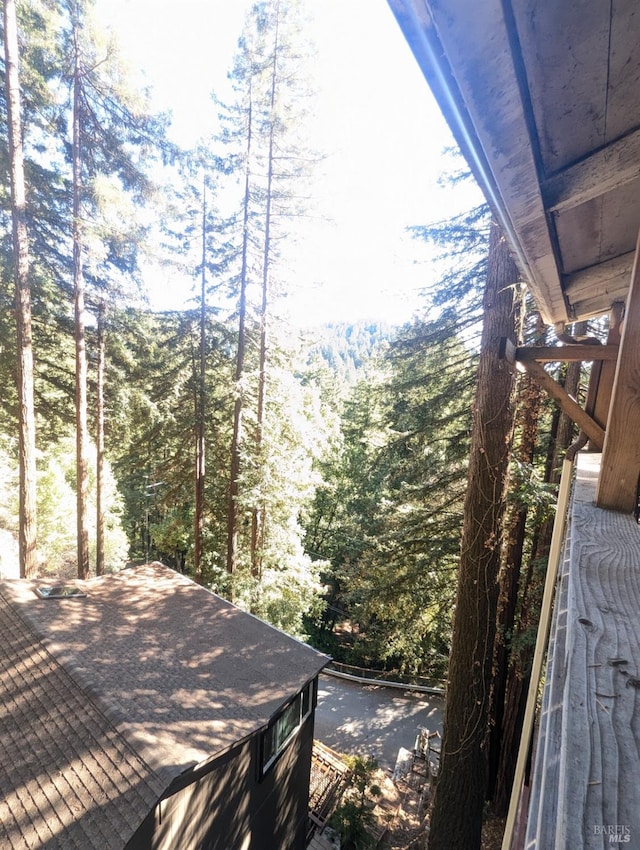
<point>167,672</point>
<point>68,779</point>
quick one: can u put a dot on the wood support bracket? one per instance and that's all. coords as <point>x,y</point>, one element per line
<point>557,353</point>
<point>568,405</point>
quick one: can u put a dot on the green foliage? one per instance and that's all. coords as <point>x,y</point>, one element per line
<point>349,350</point>
<point>353,819</point>
<point>150,430</point>
<point>528,489</point>
<point>56,512</point>
<point>8,507</point>
<point>388,513</point>
<point>357,461</point>
<point>282,479</point>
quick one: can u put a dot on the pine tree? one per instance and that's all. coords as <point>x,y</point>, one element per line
<point>105,128</point>
<point>82,434</point>
<point>260,131</point>
<point>389,513</point>
<point>200,405</point>
<point>406,572</point>
<point>26,426</point>
<point>461,788</point>
<point>100,457</point>
<point>236,437</point>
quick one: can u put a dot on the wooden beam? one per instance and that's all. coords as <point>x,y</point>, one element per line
<point>608,168</point>
<point>602,403</point>
<point>620,469</point>
<point>587,352</point>
<point>600,279</point>
<point>566,353</point>
<point>569,406</point>
<point>595,289</point>
<point>600,306</point>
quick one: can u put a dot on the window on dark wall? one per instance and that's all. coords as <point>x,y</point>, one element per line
<point>283,729</point>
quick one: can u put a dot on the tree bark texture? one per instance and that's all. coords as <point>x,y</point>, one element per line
<point>529,406</point>
<point>519,670</point>
<point>259,514</point>
<point>82,436</point>
<point>26,413</point>
<point>460,792</point>
<point>100,444</point>
<point>236,438</point>
<point>200,408</point>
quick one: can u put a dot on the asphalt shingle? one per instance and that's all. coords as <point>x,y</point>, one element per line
<point>68,778</point>
<point>104,699</point>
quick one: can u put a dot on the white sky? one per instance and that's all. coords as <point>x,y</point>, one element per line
<point>375,119</point>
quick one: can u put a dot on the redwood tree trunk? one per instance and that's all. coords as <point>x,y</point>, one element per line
<point>26,413</point>
<point>82,435</point>
<point>100,444</point>
<point>259,516</point>
<point>529,407</point>
<point>200,409</point>
<point>236,438</point>
<point>519,671</point>
<point>456,822</point>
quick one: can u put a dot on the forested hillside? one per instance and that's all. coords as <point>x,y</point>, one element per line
<point>220,439</point>
<point>314,475</point>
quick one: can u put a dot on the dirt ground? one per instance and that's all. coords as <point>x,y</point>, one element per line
<point>402,815</point>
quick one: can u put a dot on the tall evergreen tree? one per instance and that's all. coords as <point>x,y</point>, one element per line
<point>106,129</point>
<point>260,130</point>
<point>200,406</point>
<point>273,130</point>
<point>100,457</point>
<point>389,520</point>
<point>406,573</point>
<point>82,432</point>
<point>461,788</point>
<point>526,580</point>
<point>26,419</point>
<point>236,436</point>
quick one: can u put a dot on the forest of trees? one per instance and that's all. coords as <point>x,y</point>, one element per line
<point>315,476</point>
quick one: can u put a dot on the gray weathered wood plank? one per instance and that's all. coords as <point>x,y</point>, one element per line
<point>606,169</point>
<point>566,53</point>
<point>586,782</point>
<point>565,353</point>
<point>599,780</point>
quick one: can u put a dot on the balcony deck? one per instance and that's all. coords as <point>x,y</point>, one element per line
<point>586,784</point>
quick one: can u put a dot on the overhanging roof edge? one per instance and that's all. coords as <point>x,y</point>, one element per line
<point>415,21</point>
